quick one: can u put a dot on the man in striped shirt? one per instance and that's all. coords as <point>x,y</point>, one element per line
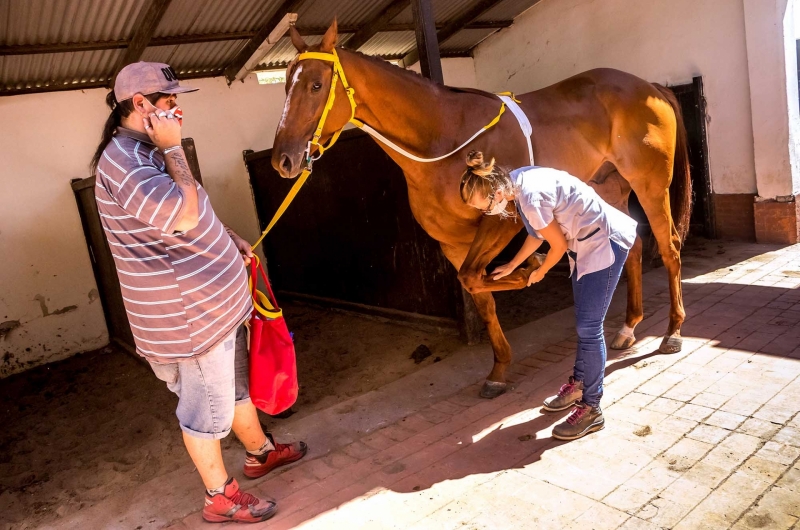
<point>184,285</point>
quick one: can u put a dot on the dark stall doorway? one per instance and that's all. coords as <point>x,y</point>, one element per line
<point>349,240</point>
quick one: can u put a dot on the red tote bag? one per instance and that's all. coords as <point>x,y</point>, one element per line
<point>273,367</point>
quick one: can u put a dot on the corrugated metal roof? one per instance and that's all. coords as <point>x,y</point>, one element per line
<point>197,17</point>
<point>61,21</point>
<point>320,13</point>
<point>57,69</point>
<point>390,43</point>
<point>193,58</point>
<point>284,51</point>
<point>507,10</point>
<point>211,33</point>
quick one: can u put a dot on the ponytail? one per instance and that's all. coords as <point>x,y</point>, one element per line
<point>483,177</point>
<point>119,110</point>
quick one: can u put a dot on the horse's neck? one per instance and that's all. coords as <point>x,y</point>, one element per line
<point>419,116</point>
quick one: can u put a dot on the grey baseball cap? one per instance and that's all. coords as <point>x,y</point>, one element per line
<point>147,78</point>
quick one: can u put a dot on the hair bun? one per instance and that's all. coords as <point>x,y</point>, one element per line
<point>475,159</point>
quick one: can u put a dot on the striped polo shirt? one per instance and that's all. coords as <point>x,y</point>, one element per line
<point>183,291</point>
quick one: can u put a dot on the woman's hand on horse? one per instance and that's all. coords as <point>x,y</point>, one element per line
<point>503,270</point>
<point>535,277</point>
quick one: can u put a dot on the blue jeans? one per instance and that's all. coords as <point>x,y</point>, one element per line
<point>592,295</point>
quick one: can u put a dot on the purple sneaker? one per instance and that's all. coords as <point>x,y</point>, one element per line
<point>568,395</point>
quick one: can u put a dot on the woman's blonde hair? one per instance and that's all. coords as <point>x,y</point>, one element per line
<point>483,177</point>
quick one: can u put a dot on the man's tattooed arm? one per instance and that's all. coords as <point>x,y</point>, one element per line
<point>178,169</point>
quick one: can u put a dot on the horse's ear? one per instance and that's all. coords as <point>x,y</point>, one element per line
<point>297,40</point>
<point>329,40</point>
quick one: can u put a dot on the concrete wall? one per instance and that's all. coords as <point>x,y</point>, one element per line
<point>660,41</point>
<point>772,60</point>
<point>48,298</point>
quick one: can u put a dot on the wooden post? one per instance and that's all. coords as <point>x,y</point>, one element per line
<point>427,45</point>
<point>146,25</point>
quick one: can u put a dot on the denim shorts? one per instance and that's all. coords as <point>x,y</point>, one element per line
<point>210,386</point>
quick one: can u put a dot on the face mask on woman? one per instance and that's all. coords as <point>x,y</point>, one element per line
<point>498,208</point>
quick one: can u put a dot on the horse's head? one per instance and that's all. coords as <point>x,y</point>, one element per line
<point>308,84</point>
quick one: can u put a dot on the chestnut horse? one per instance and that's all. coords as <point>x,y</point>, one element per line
<point>608,128</point>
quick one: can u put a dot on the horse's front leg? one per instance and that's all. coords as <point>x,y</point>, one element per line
<point>492,237</point>
<point>478,281</point>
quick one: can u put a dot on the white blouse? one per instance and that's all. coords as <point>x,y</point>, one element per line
<point>588,222</point>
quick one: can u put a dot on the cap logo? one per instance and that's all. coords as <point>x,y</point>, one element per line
<point>169,73</point>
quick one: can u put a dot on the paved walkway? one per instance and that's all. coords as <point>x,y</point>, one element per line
<point>707,438</point>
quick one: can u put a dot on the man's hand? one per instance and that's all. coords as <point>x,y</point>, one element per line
<point>163,130</point>
<point>535,277</point>
<point>242,245</point>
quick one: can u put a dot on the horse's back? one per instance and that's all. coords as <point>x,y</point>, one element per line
<point>601,83</point>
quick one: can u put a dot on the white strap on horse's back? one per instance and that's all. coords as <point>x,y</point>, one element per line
<point>524,123</point>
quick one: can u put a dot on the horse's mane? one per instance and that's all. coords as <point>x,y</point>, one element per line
<point>389,67</point>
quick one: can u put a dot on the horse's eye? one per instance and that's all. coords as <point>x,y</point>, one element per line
<point>316,87</point>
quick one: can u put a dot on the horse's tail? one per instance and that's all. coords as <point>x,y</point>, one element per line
<point>680,189</point>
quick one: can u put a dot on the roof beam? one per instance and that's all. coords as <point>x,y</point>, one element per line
<point>68,47</point>
<point>246,53</point>
<point>377,24</point>
<point>275,35</point>
<point>481,7</point>
<point>146,25</point>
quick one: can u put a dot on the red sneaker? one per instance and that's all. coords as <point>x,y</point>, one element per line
<point>237,506</point>
<point>259,465</point>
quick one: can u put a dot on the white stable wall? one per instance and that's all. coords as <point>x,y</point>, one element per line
<point>772,61</point>
<point>663,41</point>
<point>49,308</point>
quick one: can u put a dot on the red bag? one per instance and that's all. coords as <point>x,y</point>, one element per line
<point>273,369</point>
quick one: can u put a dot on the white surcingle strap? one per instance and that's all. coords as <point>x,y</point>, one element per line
<point>524,123</point>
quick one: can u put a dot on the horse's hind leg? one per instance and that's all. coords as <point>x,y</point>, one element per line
<point>655,202</point>
<point>633,268</point>
<point>615,190</point>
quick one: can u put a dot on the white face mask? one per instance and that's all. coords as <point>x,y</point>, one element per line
<point>175,112</point>
<point>499,207</point>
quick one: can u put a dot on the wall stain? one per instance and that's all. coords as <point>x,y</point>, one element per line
<point>7,327</point>
<point>93,295</point>
<point>46,312</point>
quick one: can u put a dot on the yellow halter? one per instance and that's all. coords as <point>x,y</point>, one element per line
<point>338,75</point>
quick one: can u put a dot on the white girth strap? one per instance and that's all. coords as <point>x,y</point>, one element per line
<point>509,103</point>
<point>524,123</point>
<point>378,136</point>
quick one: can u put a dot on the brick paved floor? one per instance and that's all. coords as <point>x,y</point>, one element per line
<point>706,438</point>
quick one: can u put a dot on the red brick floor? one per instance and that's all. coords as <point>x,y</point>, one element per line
<point>706,438</point>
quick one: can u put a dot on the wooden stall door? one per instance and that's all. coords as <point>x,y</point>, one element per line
<point>349,240</point>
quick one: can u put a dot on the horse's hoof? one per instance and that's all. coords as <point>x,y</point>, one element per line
<point>622,342</point>
<point>671,344</point>
<point>492,389</point>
